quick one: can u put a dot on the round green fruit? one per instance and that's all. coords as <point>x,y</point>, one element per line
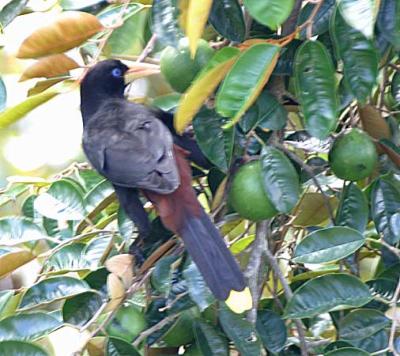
<point>353,155</point>
<point>181,332</point>
<point>247,195</point>
<point>128,323</point>
<point>177,66</point>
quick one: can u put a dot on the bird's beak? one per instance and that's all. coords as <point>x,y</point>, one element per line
<point>140,70</point>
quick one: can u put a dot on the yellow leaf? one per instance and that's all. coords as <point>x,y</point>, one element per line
<point>183,11</point>
<point>196,20</point>
<point>13,259</point>
<point>199,91</point>
<point>51,66</point>
<point>116,289</point>
<point>70,29</point>
<point>122,266</point>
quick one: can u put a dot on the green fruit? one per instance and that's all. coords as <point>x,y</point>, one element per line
<point>353,155</point>
<point>247,195</point>
<point>178,68</point>
<point>128,323</point>
<point>181,332</point>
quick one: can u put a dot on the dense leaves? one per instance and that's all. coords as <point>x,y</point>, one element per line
<point>278,83</point>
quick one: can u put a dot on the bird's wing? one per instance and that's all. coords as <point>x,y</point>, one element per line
<point>131,147</point>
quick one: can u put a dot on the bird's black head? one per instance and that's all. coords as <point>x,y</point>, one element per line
<point>104,80</point>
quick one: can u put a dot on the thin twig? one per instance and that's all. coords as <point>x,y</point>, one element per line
<point>393,303</point>
<point>154,328</point>
<point>310,21</point>
<point>254,269</point>
<point>148,49</point>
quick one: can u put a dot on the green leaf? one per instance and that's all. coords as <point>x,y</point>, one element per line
<point>395,87</point>
<point>266,113</point>
<point>3,95</point>
<point>13,114</point>
<point>96,251</point>
<point>216,143</point>
<point>62,201</point>
<point>129,38</point>
<point>280,179</point>
<point>198,289</point>
<point>5,298</point>
<point>118,347</point>
<point>373,343</point>
<point>161,278</point>
<point>389,21</point>
<point>165,24</point>
<point>245,80</point>
<point>362,323</point>
<point>359,14</point>
<point>89,178</point>
<point>21,348</point>
<point>359,56</point>
<point>316,87</point>
<point>15,230</point>
<point>326,293</point>
<point>80,309</point>
<point>271,13</point>
<point>320,23</point>
<point>240,331</point>
<point>27,326</point>
<point>226,16</point>
<point>68,258</point>
<point>11,11</point>
<point>52,289</point>
<point>328,245</point>
<point>272,330</point>
<point>347,351</point>
<point>353,208</point>
<point>167,102</point>
<point>126,227</point>
<point>385,204</point>
<point>210,341</point>
<point>383,287</point>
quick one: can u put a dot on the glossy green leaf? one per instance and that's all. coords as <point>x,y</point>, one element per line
<point>326,293</point>
<point>165,24</point>
<point>13,114</point>
<point>15,230</point>
<point>161,278</point>
<point>328,245</point>
<point>118,347</point>
<point>245,80</point>
<point>271,13</point>
<point>129,38</point>
<point>89,178</point>
<point>359,14</point>
<point>373,343</point>
<point>280,179</point>
<point>383,287</point>
<point>395,87</point>
<point>21,348</point>
<point>214,142</point>
<point>359,56</point>
<point>389,21</point>
<point>52,289</point>
<point>320,23</point>
<point>3,95</point>
<point>266,113</point>
<point>209,340</point>
<point>362,323</point>
<point>96,251</point>
<point>385,204</point>
<point>11,11</point>
<point>226,16</point>
<point>27,326</point>
<point>272,330</point>
<point>198,290</point>
<point>68,258</point>
<point>347,351</point>
<point>240,331</point>
<point>80,309</point>
<point>353,208</point>
<point>62,201</point>
<point>5,298</point>
<point>126,227</point>
<point>316,87</point>
<point>286,59</point>
<point>167,102</point>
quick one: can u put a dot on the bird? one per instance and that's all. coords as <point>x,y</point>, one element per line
<point>137,150</point>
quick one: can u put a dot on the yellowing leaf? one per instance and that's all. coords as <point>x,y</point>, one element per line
<point>183,11</point>
<point>70,29</point>
<point>196,20</point>
<point>203,86</point>
<point>12,258</point>
<point>48,67</point>
<point>122,266</point>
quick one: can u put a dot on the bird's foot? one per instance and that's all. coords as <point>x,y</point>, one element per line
<point>135,249</point>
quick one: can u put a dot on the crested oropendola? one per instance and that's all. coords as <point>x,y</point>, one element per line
<point>129,145</point>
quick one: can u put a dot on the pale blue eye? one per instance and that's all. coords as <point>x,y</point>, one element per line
<point>116,72</point>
